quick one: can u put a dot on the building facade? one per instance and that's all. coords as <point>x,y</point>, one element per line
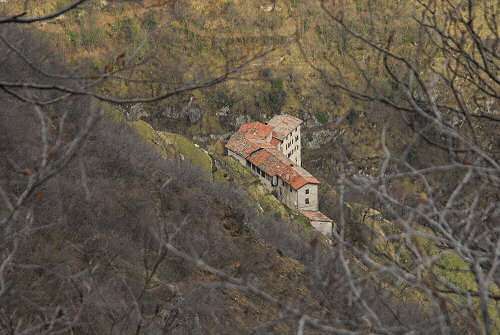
<point>273,152</point>
<point>286,129</point>
<point>319,221</point>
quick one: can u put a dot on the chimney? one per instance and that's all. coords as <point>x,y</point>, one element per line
<point>288,177</point>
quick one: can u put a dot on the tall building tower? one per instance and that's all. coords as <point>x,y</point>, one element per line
<point>286,130</point>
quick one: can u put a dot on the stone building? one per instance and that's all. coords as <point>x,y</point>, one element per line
<point>286,129</point>
<point>319,221</point>
<point>273,152</point>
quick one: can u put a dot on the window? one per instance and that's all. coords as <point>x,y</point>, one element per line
<point>307,201</point>
<point>249,164</point>
<point>291,189</point>
<point>262,173</point>
<point>307,191</point>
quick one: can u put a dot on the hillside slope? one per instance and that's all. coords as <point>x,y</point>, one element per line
<point>103,265</point>
<point>194,40</point>
<point>144,227</point>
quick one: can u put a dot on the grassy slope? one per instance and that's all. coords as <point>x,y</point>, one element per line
<point>171,145</point>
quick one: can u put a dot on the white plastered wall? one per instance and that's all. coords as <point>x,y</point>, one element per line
<point>324,228</point>
<point>291,146</point>
<point>312,196</point>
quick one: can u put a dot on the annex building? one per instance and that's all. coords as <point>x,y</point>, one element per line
<point>273,152</point>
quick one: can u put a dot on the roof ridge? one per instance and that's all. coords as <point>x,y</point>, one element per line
<point>275,163</point>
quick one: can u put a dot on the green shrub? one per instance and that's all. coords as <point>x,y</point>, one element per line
<point>91,37</point>
<point>200,44</point>
<point>266,72</point>
<point>73,36</point>
<point>277,84</point>
<point>305,25</point>
<point>132,32</point>
<point>319,34</point>
<point>352,116</point>
<point>359,5</point>
<point>214,167</point>
<point>408,37</point>
<point>149,22</point>
<point>63,3</point>
<point>117,26</point>
<point>97,64</point>
<point>321,116</point>
<point>276,100</point>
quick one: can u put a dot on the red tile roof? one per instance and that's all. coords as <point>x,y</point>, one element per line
<point>275,163</point>
<point>271,161</point>
<point>256,129</point>
<point>241,145</point>
<point>316,216</point>
<point>283,124</point>
<point>253,142</point>
<point>249,138</point>
<point>275,142</point>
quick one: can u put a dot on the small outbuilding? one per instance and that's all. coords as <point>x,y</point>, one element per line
<point>319,221</point>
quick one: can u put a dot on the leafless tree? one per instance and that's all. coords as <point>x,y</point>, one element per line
<point>437,80</point>
<point>50,124</point>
